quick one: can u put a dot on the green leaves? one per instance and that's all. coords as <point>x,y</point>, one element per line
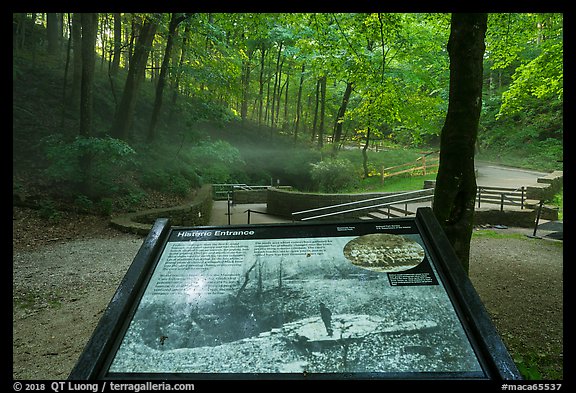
<point>541,77</point>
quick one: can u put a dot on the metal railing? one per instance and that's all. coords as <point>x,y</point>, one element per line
<point>375,204</point>
<point>222,192</point>
<point>503,196</point>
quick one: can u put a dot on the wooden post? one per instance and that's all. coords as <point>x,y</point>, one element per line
<point>424,164</point>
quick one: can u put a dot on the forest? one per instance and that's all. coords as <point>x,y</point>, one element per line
<point>110,109</point>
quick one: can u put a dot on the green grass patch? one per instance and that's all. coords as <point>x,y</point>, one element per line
<point>35,299</point>
<point>558,201</point>
<point>395,183</point>
<point>390,157</point>
<point>536,363</point>
<point>491,234</point>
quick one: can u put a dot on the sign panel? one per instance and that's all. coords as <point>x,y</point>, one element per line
<point>361,298</point>
<point>382,299</point>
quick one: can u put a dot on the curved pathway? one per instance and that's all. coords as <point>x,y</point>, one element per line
<point>504,176</point>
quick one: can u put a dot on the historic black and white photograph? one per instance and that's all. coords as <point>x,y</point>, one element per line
<point>293,306</point>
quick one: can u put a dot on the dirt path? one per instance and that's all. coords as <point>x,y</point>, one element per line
<point>63,279</point>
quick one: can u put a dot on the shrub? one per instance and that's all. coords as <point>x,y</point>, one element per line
<point>108,163</point>
<point>334,174</point>
<point>214,162</point>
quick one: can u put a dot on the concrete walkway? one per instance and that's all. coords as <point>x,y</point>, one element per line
<point>239,214</point>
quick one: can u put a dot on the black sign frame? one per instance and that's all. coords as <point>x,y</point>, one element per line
<point>491,352</point>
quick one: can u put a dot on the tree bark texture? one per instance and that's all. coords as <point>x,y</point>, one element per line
<point>456,181</point>
<point>123,118</point>
<point>261,84</point>
<point>337,135</point>
<point>245,85</point>
<point>175,20</point>
<point>117,50</point>
<point>53,33</point>
<point>299,102</point>
<point>322,111</point>
<point>89,29</point>
<point>76,58</point>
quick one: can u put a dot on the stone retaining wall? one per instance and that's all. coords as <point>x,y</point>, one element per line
<point>525,218</point>
<point>546,187</point>
<point>253,196</point>
<point>194,213</point>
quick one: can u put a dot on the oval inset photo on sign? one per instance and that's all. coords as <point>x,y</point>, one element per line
<point>383,252</point>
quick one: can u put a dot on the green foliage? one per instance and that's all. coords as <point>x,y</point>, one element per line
<point>109,160</point>
<point>105,206</point>
<point>399,66</point>
<point>528,369</point>
<point>169,178</point>
<point>124,202</point>
<point>558,201</point>
<point>334,175</point>
<point>49,211</point>
<point>179,169</point>
<point>542,78</point>
<point>214,161</point>
<point>83,203</point>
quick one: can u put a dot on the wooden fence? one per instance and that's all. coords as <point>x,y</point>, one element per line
<point>422,163</point>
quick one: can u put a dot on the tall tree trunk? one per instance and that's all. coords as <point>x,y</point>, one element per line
<point>53,32</point>
<point>117,50</point>
<point>456,182</point>
<point>180,66</point>
<point>322,111</point>
<point>299,102</point>
<point>279,92</point>
<point>66,67</point>
<point>276,84</point>
<point>104,38</point>
<point>285,120</point>
<point>316,104</point>
<point>245,86</point>
<point>123,118</point>
<point>174,22</point>
<point>365,154</point>
<point>261,84</point>
<point>76,58</point>
<point>337,134</point>
<point>89,28</point>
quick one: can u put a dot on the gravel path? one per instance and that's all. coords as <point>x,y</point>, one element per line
<point>62,283</point>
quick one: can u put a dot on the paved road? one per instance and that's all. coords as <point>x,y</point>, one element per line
<point>501,176</point>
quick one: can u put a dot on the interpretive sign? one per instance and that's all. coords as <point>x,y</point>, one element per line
<point>369,299</point>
